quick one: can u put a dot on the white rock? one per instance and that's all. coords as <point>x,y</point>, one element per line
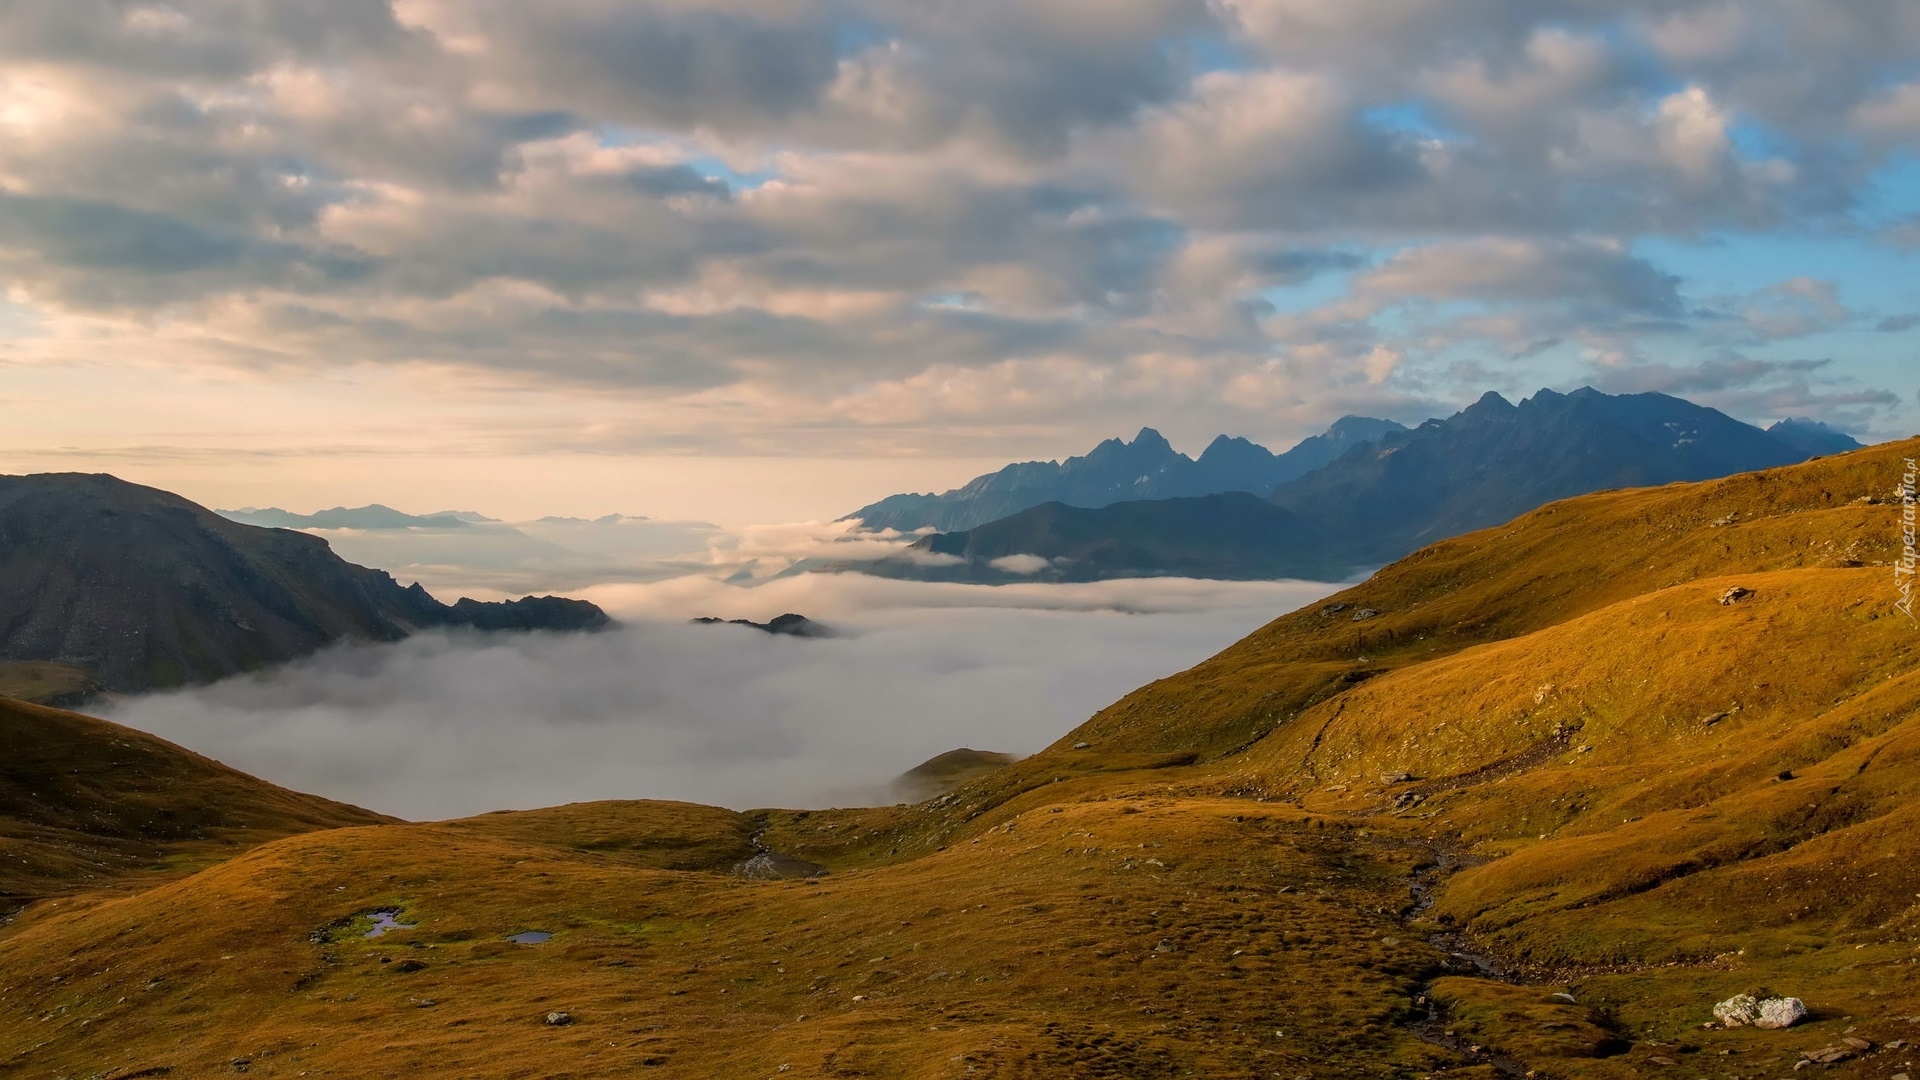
<point>1737,1011</point>
<point>1744,1009</point>
<point>1781,1013</point>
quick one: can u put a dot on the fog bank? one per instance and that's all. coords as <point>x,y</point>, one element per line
<point>442,726</point>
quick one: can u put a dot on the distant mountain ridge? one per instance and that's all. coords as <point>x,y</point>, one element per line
<point>1381,499</point>
<point>372,516</point>
<point>1119,471</point>
<point>142,589</point>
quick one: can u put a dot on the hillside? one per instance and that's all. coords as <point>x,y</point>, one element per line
<point>1529,801</point>
<point>84,802</point>
<point>1386,498</point>
<point>143,589</point>
<point>1117,471</point>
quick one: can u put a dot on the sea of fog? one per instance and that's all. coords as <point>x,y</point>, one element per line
<point>445,725</point>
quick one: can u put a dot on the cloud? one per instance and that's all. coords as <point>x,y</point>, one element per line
<point>1603,279</point>
<point>441,726</point>
<point>756,222</point>
<point>1021,564</point>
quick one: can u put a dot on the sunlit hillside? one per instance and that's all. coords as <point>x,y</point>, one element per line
<point>1526,803</point>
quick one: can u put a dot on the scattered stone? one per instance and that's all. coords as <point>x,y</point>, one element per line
<point>1364,614</point>
<point>1658,1060</point>
<point>559,1019</point>
<point>1081,745</point>
<point>1562,999</point>
<point>240,1064</point>
<point>1862,1045</point>
<point>1900,1076</point>
<point>425,1003</point>
<point>1334,609</point>
<point>1721,523</point>
<point>1734,595</point>
<point>1828,1055</point>
<point>1166,947</point>
<point>773,866</point>
<point>410,965</point>
<point>1713,718</point>
<point>1396,778</point>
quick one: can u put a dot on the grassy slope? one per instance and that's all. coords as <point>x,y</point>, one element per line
<point>1572,812</point>
<point>84,802</point>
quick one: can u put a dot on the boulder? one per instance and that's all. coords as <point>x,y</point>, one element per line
<point>1744,1010</point>
<point>1781,1013</point>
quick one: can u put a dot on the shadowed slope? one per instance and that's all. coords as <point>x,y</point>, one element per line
<point>143,589</point>
<point>84,801</point>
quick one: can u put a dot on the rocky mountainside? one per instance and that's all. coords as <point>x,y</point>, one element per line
<point>1813,438</point>
<point>1234,536</point>
<point>1380,499</point>
<point>142,589</point>
<point>1118,471</point>
<point>1535,799</point>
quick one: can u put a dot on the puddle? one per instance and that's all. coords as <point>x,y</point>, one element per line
<point>385,919</point>
<point>531,937</point>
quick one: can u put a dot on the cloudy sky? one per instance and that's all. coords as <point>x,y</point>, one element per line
<point>765,259</point>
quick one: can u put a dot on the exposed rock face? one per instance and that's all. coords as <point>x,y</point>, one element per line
<point>142,589</point>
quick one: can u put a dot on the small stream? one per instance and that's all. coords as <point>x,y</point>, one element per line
<point>1432,1028</point>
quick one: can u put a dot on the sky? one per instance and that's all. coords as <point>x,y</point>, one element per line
<point>762,260</point>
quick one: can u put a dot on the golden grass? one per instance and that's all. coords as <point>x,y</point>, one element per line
<point>1554,746</point>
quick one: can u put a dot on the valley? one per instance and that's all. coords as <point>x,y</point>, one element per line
<point>1529,801</point>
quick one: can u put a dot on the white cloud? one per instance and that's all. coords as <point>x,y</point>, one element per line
<point>754,223</point>
<point>443,726</point>
<point>1021,564</point>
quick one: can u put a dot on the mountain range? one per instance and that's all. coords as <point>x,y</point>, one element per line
<point>1119,471</point>
<point>372,516</point>
<point>1533,800</point>
<point>1380,499</point>
<point>140,589</point>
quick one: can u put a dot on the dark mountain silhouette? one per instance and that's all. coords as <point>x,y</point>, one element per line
<point>1118,471</point>
<point>1379,500</point>
<point>142,589</point>
<point>1230,536</point>
<point>788,625</point>
<point>374,516</point>
<point>1812,437</point>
